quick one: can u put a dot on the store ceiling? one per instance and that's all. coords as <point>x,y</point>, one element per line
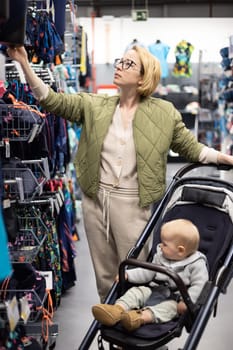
<point>101,6</point>
<point>121,3</point>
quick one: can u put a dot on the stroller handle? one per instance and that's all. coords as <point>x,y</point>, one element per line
<point>190,166</point>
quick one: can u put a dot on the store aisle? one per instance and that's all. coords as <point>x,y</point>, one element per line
<point>74,314</point>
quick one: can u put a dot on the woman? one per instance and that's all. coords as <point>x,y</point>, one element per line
<point>122,154</point>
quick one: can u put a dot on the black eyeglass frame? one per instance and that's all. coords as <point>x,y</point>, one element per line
<point>125,64</point>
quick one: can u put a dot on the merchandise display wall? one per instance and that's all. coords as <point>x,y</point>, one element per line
<point>36,189</point>
<point>112,35</point>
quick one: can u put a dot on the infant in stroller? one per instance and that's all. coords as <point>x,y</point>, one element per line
<point>155,298</point>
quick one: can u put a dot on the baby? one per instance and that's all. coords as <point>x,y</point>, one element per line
<point>159,301</point>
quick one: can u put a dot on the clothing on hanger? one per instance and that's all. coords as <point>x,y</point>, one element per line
<point>160,50</point>
<point>183,52</point>
<point>135,42</point>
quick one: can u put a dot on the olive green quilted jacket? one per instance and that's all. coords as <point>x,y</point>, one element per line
<point>157,127</point>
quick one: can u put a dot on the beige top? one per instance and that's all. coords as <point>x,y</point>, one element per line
<point>118,157</point>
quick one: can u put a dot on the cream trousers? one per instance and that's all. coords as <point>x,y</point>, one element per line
<point>113,223</point>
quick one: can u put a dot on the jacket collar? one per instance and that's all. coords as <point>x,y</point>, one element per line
<point>189,260</point>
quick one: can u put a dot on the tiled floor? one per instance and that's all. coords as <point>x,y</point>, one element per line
<point>74,314</point>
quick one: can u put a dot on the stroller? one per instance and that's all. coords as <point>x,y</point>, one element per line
<point>208,202</point>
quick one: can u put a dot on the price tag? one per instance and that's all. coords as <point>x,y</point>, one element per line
<point>25,309</point>
<point>12,312</point>
<point>48,275</point>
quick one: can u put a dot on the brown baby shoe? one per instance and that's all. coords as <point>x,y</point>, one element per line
<point>106,314</point>
<point>132,320</point>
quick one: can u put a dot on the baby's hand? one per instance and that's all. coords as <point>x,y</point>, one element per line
<point>117,277</point>
<point>181,308</point>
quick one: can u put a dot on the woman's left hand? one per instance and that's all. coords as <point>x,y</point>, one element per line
<point>225,159</point>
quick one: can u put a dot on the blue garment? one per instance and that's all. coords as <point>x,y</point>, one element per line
<point>66,228</point>
<point>160,50</point>
<point>5,264</point>
<point>135,42</point>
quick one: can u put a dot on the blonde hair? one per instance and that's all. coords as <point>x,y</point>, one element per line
<point>184,232</point>
<point>150,71</point>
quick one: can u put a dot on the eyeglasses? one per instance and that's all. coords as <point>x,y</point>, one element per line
<point>125,64</point>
